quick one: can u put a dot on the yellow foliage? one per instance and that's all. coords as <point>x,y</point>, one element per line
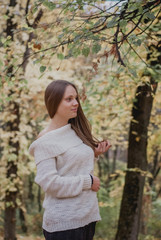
<point>137,139</point>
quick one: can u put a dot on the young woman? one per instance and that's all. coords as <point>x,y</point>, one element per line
<point>64,153</point>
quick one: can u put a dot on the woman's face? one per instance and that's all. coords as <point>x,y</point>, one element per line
<point>68,106</point>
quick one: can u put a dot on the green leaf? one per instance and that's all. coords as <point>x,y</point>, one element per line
<point>132,37</point>
<point>60,37</point>
<point>77,38</point>
<point>96,48</point>
<point>138,42</point>
<point>76,52</point>
<point>71,9</point>
<point>49,5</point>
<point>112,23</point>
<point>60,56</point>
<point>1,63</point>
<point>150,15</point>
<point>79,2</point>
<point>133,72</point>
<point>123,23</point>
<point>85,51</point>
<point>42,69</point>
<point>5,17</point>
<point>35,9</point>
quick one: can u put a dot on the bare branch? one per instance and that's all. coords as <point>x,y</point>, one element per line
<point>31,36</point>
<point>117,47</point>
<point>26,13</point>
<point>126,36</point>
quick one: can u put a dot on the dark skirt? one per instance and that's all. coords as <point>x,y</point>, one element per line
<point>82,233</point>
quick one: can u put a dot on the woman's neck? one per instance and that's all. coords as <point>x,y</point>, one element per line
<point>56,123</point>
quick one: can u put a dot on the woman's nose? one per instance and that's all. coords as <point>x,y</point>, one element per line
<point>75,103</point>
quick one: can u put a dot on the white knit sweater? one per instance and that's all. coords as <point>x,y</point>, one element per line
<point>64,163</point>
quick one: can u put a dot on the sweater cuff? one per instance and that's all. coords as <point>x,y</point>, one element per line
<point>87,182</point>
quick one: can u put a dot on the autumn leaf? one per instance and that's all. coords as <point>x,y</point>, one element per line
<point>37,46</point>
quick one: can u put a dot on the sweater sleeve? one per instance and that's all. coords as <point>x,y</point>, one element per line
<point>61,187</point>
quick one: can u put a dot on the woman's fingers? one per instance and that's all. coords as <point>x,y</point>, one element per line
<point>102,147</point>
<point>105,145</point>
<point>108,145</point>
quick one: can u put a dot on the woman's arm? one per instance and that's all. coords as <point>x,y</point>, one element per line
<point>61,187</point>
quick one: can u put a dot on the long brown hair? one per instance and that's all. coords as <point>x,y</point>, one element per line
<point>53,96</point>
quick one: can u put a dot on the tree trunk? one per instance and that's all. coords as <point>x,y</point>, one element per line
<point>129,220</point>
<point>99,169</point>
<point>114,159</point>
<point>13,126</point>
<point>30,186</point>
<point>10,198</point>
<point>39,199</point>
<point>128,226</point>
<point>22,220</point>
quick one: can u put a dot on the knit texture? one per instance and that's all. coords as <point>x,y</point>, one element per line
<point>64,164</point>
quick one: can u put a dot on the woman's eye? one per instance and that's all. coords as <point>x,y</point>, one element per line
<point>69,99</point>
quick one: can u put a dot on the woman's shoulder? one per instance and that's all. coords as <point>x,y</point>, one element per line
<point>43,132</point>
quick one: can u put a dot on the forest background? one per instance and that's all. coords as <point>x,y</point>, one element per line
<point>111,51</point>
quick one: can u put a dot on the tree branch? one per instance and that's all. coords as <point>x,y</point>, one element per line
<point>143,30</point>
<point>136,53</point>
<point>26,13</point>
<point>27,56</point>
<point>31,36</point>
<point>117,47</point>
<point>102,26</point>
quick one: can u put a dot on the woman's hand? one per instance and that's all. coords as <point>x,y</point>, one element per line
<point>102,147</point>
<point>96,184</point>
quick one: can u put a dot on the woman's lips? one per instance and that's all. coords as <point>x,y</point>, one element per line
<point>74,109</point>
